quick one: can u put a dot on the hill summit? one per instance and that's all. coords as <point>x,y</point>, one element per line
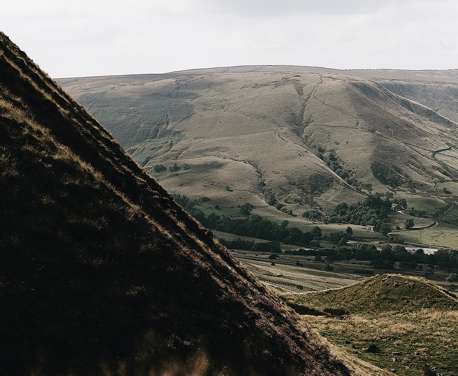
<point>101,272</point>
<point>382,293</point>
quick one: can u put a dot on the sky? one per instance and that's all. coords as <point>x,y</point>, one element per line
<point>101,37</point>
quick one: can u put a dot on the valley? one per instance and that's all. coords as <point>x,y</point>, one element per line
<point>291,141</point>
<point>176,202</point>
<point>103,273</point>
<point>402,324</point>
<point>320,182</point>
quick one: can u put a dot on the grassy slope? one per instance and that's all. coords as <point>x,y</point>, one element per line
<point>438,236</point>
<point>256,130</point>
<point>102,272</point>
<point>382,293</point>
<point>252,134</point>
<point>411,322</point>
<point>406,342</point>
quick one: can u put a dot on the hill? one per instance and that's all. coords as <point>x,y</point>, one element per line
<point>404,324</point>
<point>284,138</point>
<point>382,293</point>
<point>101,272</point>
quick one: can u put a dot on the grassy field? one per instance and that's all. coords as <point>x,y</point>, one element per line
<point>422,203</point>
<point>437,236</point>
<point>285,275</point>
<point>403,342</point>
<point>396,322</point>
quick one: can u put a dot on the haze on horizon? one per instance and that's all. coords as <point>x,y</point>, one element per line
<point>87,38</point>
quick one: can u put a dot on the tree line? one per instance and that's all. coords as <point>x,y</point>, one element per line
<point>252,226</point>
<point>386,257</point>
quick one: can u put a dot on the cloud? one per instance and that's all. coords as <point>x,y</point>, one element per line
<point>94,37</point>
<point>293,7</point>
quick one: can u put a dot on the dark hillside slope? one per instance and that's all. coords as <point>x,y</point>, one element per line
<point>102,273</point>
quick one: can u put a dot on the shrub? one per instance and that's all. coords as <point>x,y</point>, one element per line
<point>246,209</point>
<point>174,168</point>
<point>159,168</point>
<point>409,223</point>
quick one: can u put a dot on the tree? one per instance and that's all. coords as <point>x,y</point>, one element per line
<point>174,168</point>
<point>316,232</point>
<point>409,223</point>
<point>384,228</point>
<point>159,168</point>
<point>329,268</point>
<point>343,240</point>
<point>387,252</point>
<point>246,209</point>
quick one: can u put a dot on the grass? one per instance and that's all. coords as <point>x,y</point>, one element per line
<point>406,342</point>
<point>437,236</point>
<point>395,322</point>
<point>422,203</point>
<point>101,271</point>
<point>286,276</point>
<point>382,293</point>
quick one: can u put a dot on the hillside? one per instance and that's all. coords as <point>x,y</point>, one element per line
<point>404,324</point>
<point>283,138</point>
<point>102,272</point>
<point>382,293</point>
<point>435,89</point>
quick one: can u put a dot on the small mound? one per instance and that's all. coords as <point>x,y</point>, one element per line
<point>382,293</point>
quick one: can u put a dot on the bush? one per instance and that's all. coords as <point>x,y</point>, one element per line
<point>372,348</point>
<point>409,223</point>
<point>159,168</point>
<point>246,209</point>
<point>387,174</point>
<point>174,168</point>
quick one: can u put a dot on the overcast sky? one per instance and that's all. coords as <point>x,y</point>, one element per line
<point>98,37</point>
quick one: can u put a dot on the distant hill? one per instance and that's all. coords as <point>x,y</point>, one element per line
<point>101,272</point>
<point>382,293</point>
<point>283,137</point>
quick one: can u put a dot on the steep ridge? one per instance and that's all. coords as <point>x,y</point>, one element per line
<point>435,89</point>
<point>284,137</point>
<point>382,293</point>
<point>102,273</point>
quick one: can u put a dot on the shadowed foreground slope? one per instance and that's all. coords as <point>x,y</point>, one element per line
<point>100,270</point>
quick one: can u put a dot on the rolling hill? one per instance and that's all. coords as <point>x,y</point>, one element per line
<point>405,324</point>
<point>285,138</point>
<point>382,293</point>
<point>101,272</point>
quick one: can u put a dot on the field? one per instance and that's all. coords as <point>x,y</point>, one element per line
<point>399,323</point>
<point>402,341</point>
<point>437,236</point>
<point>287,276</point>
<point>397,335</point>
<point>363,232</point>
